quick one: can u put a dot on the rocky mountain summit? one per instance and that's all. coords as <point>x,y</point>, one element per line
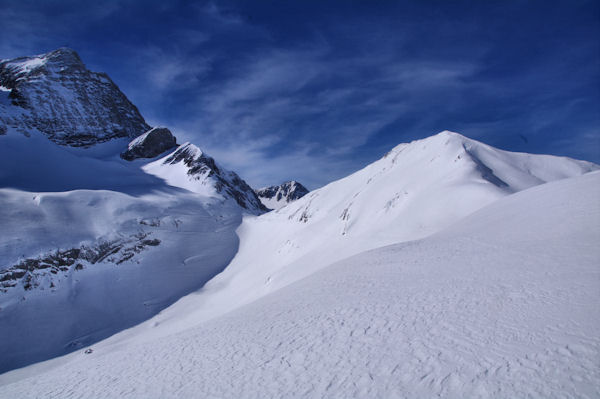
<point>57,95</point>
<point>190,168</point>
<point>275,197</point>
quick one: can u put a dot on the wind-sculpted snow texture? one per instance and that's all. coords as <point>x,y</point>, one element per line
<point>276,197</point>
<point>501,304</point>
<point>55,94</point>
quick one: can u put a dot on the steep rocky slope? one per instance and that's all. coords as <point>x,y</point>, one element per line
<point>57,95</point>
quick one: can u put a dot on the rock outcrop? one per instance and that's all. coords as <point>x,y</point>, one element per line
<point>275,197</point>
<point>150,144</point>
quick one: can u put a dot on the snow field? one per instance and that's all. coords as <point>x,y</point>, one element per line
<point>417,189</point>
<point>502,309</point>
<point>90,197</point>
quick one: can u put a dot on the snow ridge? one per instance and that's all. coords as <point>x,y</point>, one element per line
<point>189,168</point>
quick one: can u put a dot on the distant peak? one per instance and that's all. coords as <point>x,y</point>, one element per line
<point>59,59</point>
<point>191,149</point>
<point>63,50</point>
<point>448,133</point>
<point>290,183</point>
<point>64,55</point>
<point>436,143</point>
<point>274,197</point>
<point>445,135</point>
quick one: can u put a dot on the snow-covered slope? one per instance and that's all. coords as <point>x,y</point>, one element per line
<point>35,163</point>
<point>501,304</point>
<point>415,190</point>
<point>92,244</point>
<point>82,265</point>
<point>190,168</point>
<point>275,197</point>
<point>55,94</point>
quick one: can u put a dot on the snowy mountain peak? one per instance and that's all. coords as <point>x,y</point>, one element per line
<point>188,151</point>
<point>56,95</point>
<point>402,192</point>
<point>190,168</point>
<point>454,155</point>
<point>64,52</point>
<point>63,56</point>
<point>276,197</point>
<point>442,141</point>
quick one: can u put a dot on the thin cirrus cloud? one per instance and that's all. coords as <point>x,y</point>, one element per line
<point>320,109</point>
<point>167,70</point>
<point>275,104</point>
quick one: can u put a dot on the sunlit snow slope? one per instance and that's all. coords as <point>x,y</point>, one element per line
<point>417,189</point>
<point>501,304</point>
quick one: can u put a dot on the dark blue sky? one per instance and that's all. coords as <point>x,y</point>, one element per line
<point>314,90</point>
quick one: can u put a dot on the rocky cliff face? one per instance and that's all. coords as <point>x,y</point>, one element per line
<point>57,95</point>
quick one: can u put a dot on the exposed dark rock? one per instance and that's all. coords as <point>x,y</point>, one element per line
<point>285,192</point>
<point>57,95</point>
<point>58,262</point>
<point>150,144</point>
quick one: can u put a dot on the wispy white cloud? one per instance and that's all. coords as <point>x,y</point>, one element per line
<point>321,106</point>
<point>168,69</point>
